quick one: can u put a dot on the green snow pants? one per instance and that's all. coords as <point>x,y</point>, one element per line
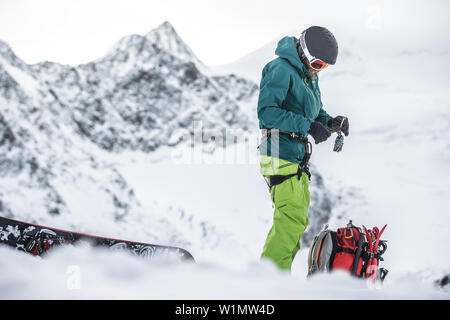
<point>291,202</point>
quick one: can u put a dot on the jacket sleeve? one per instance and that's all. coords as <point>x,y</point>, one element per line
<point>323,117</point>
<point>274,86</point>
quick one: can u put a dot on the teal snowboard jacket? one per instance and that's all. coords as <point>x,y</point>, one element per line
<point>289,101</point>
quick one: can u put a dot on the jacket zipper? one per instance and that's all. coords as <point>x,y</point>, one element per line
<point>314,98</point>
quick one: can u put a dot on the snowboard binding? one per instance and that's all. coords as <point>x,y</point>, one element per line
<point>37,242</point>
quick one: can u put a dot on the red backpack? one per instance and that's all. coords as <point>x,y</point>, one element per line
<point>349,249</point>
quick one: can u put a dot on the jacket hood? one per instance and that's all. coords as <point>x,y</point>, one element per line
<point>286,49</point>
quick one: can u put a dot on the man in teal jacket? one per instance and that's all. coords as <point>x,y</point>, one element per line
<point>290,108</point>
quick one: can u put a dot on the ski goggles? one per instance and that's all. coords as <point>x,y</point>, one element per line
<point>315,63</point>
<point>318,64</point>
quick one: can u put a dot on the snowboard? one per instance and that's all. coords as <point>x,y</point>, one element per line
<point>37,240</point>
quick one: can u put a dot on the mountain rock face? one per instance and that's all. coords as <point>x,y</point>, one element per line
<point>60,125</point>
<point>142,90</point>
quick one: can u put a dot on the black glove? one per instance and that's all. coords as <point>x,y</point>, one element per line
<point>319,132</point>
<point>339,123</point>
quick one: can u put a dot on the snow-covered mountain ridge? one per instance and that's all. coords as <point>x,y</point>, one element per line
<point>142,90</point>
<point>59,123</point>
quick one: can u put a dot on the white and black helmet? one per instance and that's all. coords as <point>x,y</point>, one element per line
<point>318,43</point>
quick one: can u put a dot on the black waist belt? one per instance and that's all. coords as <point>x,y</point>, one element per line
<point>277,179</point>
<point>293,135</point>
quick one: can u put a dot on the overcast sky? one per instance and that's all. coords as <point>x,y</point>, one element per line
<point>218,31</point>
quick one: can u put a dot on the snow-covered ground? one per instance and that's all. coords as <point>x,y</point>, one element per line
<point>75,273</point>
<point>394,169</point>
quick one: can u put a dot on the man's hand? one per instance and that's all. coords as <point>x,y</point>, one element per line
<point>319,132</point>
<point>339,123</point>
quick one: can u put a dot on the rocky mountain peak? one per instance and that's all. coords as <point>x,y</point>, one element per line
<point>166,38</point>
<point>8,55</point>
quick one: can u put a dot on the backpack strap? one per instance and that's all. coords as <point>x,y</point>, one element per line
<point>346,250</point>
<point>333,250</point>
<point>358,252</point>
<point>315,251</point>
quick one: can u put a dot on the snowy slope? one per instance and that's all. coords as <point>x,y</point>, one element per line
<point>69,148</point>
<point>252,64</point>
<point>397,154</point>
